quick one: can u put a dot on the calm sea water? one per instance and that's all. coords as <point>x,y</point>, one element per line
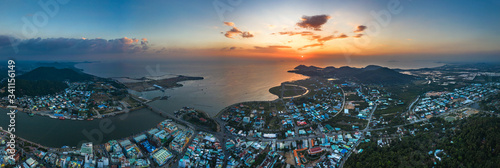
<point>57,133</point>
<point>225,83</point>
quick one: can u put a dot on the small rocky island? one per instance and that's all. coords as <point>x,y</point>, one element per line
<point>145,84</point>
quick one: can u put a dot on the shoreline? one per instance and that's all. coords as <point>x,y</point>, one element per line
<point>266,101</point>
<point>215,117</point>
<point>105,115</point>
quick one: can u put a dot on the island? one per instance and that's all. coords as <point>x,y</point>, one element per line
<point>148,84</point>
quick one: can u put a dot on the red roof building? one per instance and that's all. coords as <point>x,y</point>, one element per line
<point>315,150</point>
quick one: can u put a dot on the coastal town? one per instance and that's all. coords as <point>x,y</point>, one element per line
<point>249,84</point>
<point>79,101</point>
<point>320,122</point>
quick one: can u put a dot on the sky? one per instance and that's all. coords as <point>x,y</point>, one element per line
<point>393,30</point>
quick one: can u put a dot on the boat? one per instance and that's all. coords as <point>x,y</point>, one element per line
<point>31,114</point>
<point>73,118</point>
<point>61,118</point>
<point>80,119</point>
<point>90,119</point>
<point>54,117</point>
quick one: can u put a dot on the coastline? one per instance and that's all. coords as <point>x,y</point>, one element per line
<point>116,113</point>
<point>221,112</point>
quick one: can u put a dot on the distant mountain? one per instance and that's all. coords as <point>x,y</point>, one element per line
<point>47,80</point>
<point>371,74</point>
<point>54,74</point>
<point>470,67</point>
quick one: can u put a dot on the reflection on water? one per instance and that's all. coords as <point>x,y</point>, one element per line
<point>224,84</point>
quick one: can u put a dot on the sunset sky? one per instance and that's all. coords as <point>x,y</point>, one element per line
<point>306,29</point>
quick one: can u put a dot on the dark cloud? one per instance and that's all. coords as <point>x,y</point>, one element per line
<point>313,22</point>
<point>342,36</point>
<point>235,31</point>
<point>228,48</point>
<point>39,46</point>
<point>360,29</point>
<point>246,35</point>
<point>144,44</point>
<point>5,40</point>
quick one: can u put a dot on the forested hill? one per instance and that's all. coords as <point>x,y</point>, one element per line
<point>371,74</point>
<point>54,74</point>
<point>472,142</point>
<point>47,80</point>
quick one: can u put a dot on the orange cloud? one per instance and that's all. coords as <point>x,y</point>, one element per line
<point>127,40</point>
<point>322,39</point>
<point>229,24</point>
<point>303,33</point>
<point>235,31</point>
<point>311,45</point>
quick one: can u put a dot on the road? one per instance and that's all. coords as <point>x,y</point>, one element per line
<point>344,159</point>
<point>343,102</point>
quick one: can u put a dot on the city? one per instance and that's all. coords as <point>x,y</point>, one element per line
<point>249,84</point>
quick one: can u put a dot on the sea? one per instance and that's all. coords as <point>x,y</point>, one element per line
<point>225,83</point>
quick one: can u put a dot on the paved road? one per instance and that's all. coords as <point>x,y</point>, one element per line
<point>344,159</point>
<point>343,102</point>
